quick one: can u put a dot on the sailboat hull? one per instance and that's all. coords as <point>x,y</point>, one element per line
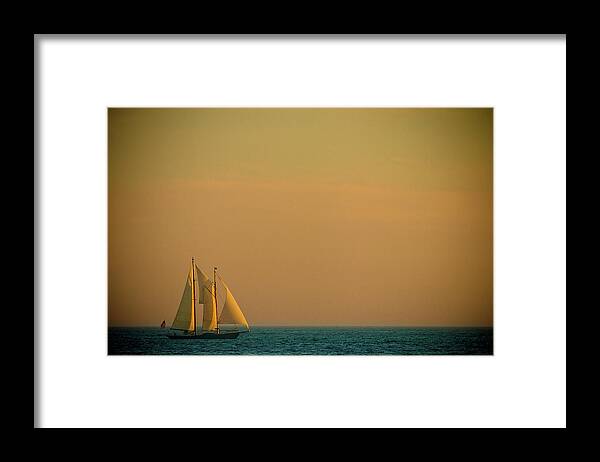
<point>206,336</point>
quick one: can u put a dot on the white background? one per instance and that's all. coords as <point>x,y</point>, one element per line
<point>522,384</point>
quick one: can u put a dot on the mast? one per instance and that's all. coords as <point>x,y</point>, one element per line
<point>215,290</point>
<point>194,294</point>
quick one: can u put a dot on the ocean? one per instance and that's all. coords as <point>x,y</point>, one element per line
<point>310,341</point>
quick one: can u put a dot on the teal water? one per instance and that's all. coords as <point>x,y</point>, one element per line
<point>310,341</point>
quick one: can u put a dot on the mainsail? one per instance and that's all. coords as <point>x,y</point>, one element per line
<point>184,319</point>
<point>232,313</point>
<point>208,299</point>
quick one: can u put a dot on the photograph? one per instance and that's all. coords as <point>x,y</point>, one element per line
<point>343,231</point>
<point>300,231</point>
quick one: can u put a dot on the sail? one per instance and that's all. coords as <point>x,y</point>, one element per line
<point>232,313</point>
<point>184,319</point>
<point>203,281</point>
<point>209,319</point>
<point>207,298</point>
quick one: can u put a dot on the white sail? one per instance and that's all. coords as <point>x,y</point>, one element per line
<point>207,298</point>
<point>184,319</point>
<point>232,313</point>
<point>203,281</point>
<point>209,319</point>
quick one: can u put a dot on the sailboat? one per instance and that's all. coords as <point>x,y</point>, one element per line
<point>201,290</point>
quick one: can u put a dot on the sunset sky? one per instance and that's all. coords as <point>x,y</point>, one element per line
<point>313,216</point>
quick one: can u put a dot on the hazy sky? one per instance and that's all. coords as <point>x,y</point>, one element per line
<point>313,216</point>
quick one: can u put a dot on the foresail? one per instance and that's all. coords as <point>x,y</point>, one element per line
<point>184,319</point>
<point>232,313</point>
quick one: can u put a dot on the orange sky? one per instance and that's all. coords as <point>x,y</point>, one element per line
<point>313,216</point>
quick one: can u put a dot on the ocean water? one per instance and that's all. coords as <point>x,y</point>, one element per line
<point>310,341</point>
